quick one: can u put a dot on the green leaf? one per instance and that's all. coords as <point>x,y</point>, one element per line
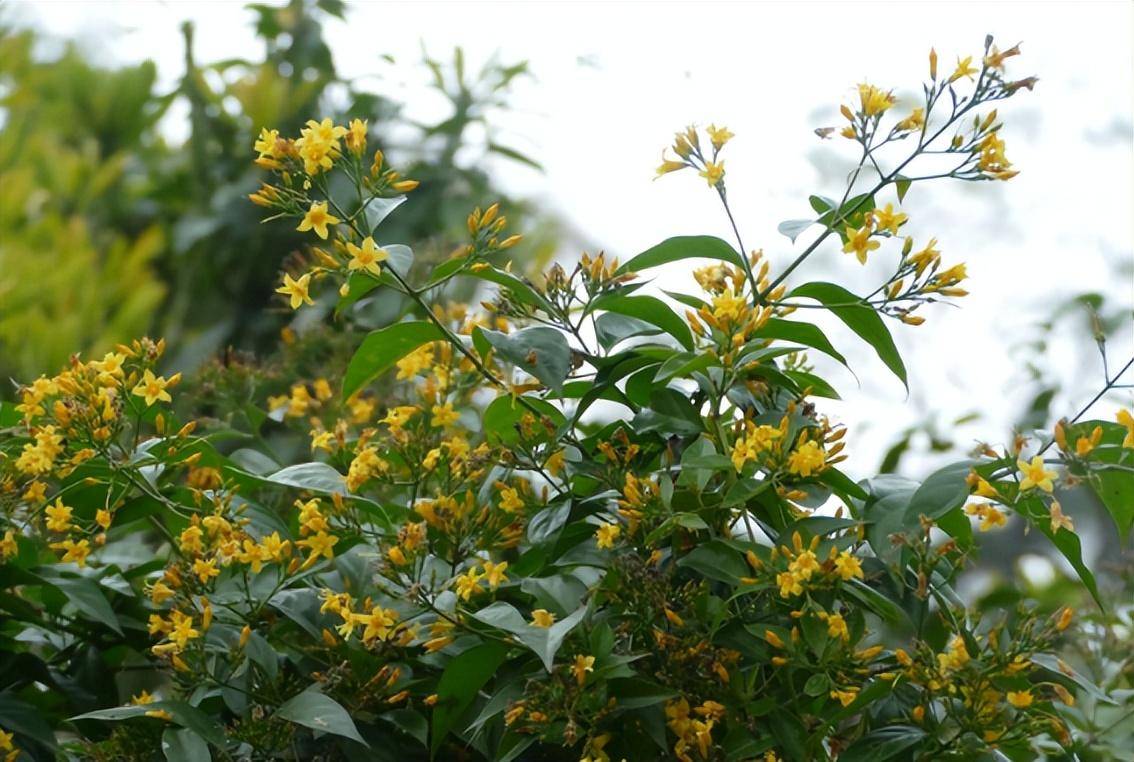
<point>861,318</point>
<point>85,595</point>
<point>816,386</point>
<point>1061,672</point>
<point>379,209</point>
<point>683,247</point>
<point>314,710</point>
<point>883,744</point>
<point>459,684</point>
<point>650,309</point>
<point>540,350</point>
<point>842,217</point>
<point>878,603</point>
<point>801,333</point>
<point>902,186</point>
<point>543,641</point>
<point>183,714</point>
<point>611,328</point>
<point>1035,511</point>
<point>1114,487</point>
<point>384,347</point>
<point>517,288</point>
<point>184,746</point>
<point>315,476</point>
<point>717,560</point>
<point>635,693</point>
<point>792,228</point>
<point>943,491</point>
<point>503,415</point>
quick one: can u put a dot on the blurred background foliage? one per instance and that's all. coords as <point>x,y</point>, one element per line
<point>112,230</point>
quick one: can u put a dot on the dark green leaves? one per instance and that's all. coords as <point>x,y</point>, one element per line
<point>540,350</point>
<point>650,309</point>
<point>183,714</point>
<point>459,684</point>
<point>384,347</point>
<point>800,333</point>
<point>503,415</point>
<point>1114,487</point>
<point>860,317</point>
<point>312,709</point>
<point>683,247</point>
<point>543,641</point>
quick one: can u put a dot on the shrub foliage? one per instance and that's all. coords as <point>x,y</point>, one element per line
<point>588,519</point>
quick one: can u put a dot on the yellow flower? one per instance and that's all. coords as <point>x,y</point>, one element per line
<point>914,121</point>
<point>874,100</point>
<point>1035,475</point>
<point>468,583</point>
<point>152,388</point>
<point>583,665</point>
<point>494,573</point>
<point>1020,699</point>
<point>1058,520</point>
<point>606,534</point>
<point>804,565</point>
<point>322,440</point>
<point>317,218</point>
<point>964,68</point>
<point>182,630</point>
<point>860,243</point>
<point>74,551</point>
<point>1125,418</point>
<point>296,289</point>
<point>837,627</point>
<point>995,57</point>
<point>888,219</point>
<point>8,546</point>
<point>807,459</point>
<point>713,172</point>
<point>925,258</point>
<point>719,136</point>
<point>728,305</point>
<point>320,544</point>
<point>160,592</point>
<point>190,540</point>
<point>668,166</point>
<point>356,136</point>
<point>991,518</point>
<point>510,500</point>
<point>445,415</point>
<point>955,656</point>
<point>205,570</point>
<point>58,516</point>
<point>542,618</point>
<point>848,566</point>
<point>265,145</point>
<point>847,697</point>
<point>789,584</point>
<point>367,257</point>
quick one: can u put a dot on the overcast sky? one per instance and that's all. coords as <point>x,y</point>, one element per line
<point>614,80</point>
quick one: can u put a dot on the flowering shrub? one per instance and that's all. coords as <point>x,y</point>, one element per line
<point>580,525</point>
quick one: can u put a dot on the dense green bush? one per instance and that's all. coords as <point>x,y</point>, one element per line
<point>111,231</point>
<point>586,519</point>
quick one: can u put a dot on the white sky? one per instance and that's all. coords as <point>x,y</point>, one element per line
<point>614,80</point>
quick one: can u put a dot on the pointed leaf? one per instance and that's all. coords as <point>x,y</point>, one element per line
<point>861,318</point>
<point>650,309</point>
<point>314,710</point>
<point>683,247</point>
<point>384,347</point>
